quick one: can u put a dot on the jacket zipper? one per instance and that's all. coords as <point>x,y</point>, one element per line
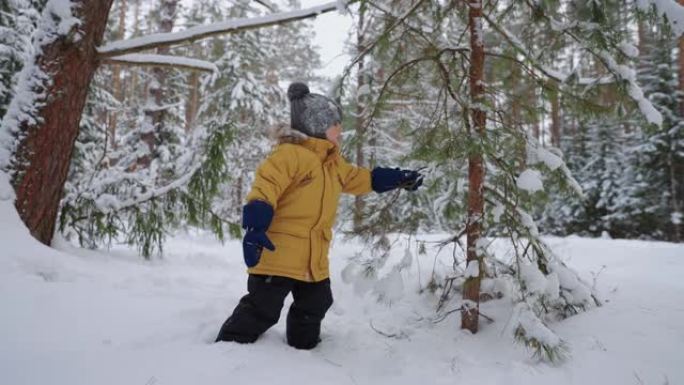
<point>318,222</point>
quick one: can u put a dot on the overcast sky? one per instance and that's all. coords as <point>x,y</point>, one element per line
<point>331,32</point>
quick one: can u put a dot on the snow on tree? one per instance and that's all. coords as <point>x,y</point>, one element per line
<point>628,168</point>
<point>41,124</point>
<point>464,91</point>
<point>17,22</point>
<point>657,154</point>
<point>196,177</point>
<point>40,128</point>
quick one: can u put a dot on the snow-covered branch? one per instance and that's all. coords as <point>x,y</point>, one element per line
<point>369,47</point>
<point>628,75</point>
<point>108,202</point>
<point>190,35</point>
<point>546,71</point>
<point>163,61</point>
<point>620,72</point>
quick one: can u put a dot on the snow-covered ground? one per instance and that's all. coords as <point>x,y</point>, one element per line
<point>83,317</point>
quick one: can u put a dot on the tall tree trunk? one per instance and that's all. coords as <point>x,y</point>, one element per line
<point>531,112</point>
<point>641,37</point>
<point>133,88</point>
<point>555,115</point>
<point>192,104</point>
<point>514,117</point>
<point>681,70</point>
<point>239,197</point>
<point>641,43</point>
<point>471,288</point>
<point>361,78</point>
<point>676,165</point>
<point>156,115</point>
<point>117,90</point>
<point>572,126</point>
<point>515,96</point>
<point>676,172</point>
<point>534,115</point>
<point>43,153</point>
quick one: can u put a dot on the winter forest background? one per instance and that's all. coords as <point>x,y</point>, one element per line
<point>529,118</point>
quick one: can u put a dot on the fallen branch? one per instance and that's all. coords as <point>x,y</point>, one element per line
<point>445,315</point>
<point>398,336</point>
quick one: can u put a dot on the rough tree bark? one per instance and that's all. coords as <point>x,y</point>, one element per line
<point>471,288</point>
<point>44,151</point>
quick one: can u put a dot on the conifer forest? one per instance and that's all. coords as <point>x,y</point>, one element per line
<point>504,203</point>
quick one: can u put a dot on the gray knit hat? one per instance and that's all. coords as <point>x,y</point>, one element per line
<point>310,113</point>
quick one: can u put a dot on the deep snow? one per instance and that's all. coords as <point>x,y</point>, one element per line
<point>86,317</point>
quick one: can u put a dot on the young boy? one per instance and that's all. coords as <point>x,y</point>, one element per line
<point>289,215</point>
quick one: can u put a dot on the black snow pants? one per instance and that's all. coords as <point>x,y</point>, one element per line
<point>260,309</point>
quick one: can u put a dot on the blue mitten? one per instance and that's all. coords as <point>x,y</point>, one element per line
<point>386,179</point>
<point>252,245</point>
<point>256,217</point>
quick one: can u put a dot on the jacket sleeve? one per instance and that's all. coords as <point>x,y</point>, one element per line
<point>274,175</point>
<point>355,180</point>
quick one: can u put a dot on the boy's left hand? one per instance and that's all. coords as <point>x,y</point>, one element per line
<point>252,245</point>
<point>256,218</point>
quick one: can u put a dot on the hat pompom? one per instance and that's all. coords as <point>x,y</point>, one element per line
<point>297,91</point>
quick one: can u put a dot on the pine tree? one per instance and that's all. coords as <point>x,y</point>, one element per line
<point>626,166</point>
<point>517,164</point>
<point>194,178</point>
<point>657,153</point>
<point>18,19</point>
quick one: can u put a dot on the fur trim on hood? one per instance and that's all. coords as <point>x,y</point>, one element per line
<point>283,133</point>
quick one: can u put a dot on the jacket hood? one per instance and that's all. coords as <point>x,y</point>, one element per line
<point>323,148</point>
<point>283,133</point>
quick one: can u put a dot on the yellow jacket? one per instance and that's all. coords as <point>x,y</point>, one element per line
<point>303,182</point>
